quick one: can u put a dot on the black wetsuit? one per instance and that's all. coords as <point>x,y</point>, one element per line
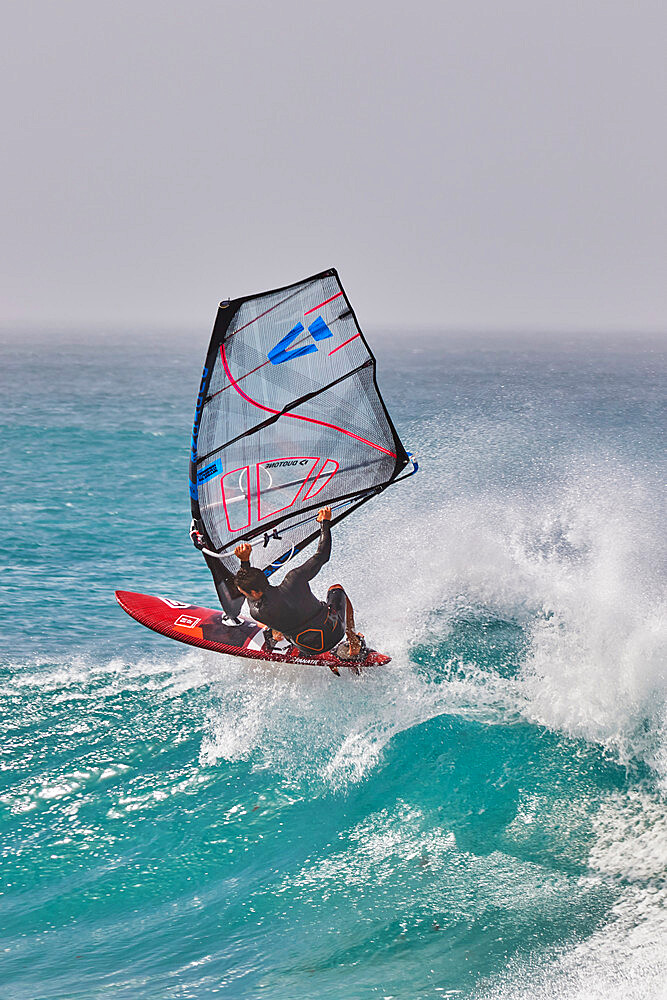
<point>293,609</point>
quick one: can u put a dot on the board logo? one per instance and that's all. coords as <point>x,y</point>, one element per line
<point>279,354</point>
<point>186,621</point>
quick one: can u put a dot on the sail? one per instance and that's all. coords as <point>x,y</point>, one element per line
<point>289,419</point>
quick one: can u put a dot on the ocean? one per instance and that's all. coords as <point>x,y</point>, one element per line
<point>483,819</point>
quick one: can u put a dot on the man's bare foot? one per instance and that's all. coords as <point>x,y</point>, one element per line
<point>354,642</point>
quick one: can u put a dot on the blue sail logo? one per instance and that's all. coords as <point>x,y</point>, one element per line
<point>280,353</point>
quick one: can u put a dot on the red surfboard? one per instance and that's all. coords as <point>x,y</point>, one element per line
<point>211,629</point>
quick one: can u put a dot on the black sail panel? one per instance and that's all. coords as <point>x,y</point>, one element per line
<point>289,418</point>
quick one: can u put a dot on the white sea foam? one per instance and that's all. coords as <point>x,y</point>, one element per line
<point>576,566</point>
<point>626,958</point>
<point>579,565</point>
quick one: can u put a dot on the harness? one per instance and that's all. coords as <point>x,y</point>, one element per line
<point>311,636</point>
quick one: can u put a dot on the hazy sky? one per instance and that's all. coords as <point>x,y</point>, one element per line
<point>465,164</point>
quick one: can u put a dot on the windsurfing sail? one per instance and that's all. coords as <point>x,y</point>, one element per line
<point>289,418</point>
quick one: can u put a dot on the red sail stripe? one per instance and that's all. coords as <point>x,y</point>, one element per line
<point>251,372</point>
<point>336,296</point>
<point>344,343</point>
<point>297,416</point>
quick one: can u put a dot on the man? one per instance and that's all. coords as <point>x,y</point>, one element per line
<point>292,610</point>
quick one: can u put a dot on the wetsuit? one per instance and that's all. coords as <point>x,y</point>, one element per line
<point>293,609</point>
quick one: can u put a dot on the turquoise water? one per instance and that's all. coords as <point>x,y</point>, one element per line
<point>484,818</point>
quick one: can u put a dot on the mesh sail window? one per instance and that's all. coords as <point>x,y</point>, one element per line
<point>289,419</point>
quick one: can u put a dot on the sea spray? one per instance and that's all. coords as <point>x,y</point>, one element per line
<point>485,818</point>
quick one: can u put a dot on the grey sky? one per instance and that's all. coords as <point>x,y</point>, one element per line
<point>465,164</point>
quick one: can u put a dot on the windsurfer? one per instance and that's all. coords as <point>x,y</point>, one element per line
<point>292,610</point>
